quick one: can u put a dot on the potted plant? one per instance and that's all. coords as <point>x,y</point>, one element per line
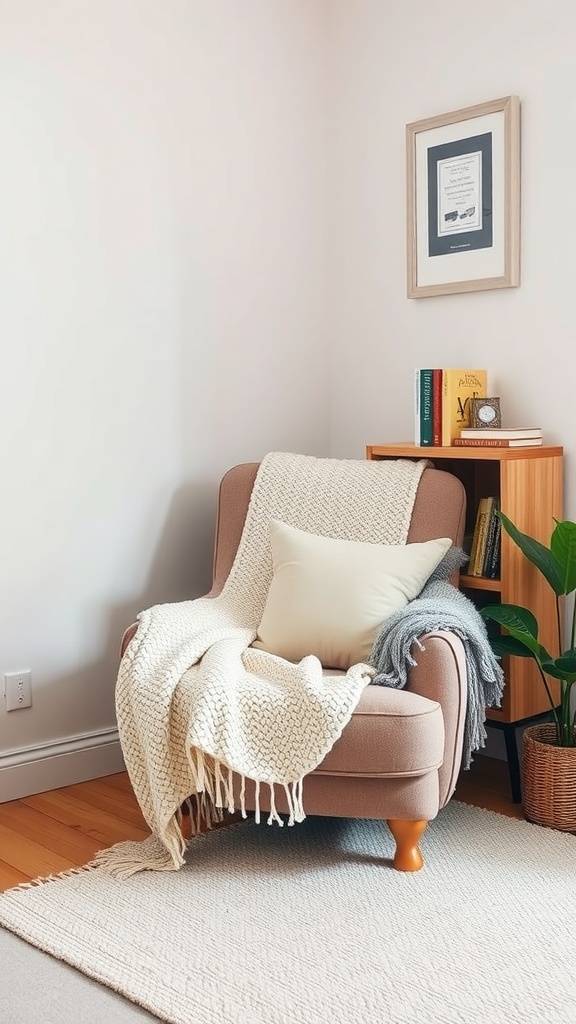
<point>549,751</point>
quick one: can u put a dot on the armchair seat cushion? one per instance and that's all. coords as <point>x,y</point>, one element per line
<point>392,734</point>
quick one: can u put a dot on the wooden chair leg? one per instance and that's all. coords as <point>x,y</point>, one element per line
<point>407,835</point>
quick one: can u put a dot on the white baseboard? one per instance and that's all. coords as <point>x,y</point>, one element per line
<point>59,763</point>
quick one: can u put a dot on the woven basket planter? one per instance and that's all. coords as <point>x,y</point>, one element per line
<point>548,779</point>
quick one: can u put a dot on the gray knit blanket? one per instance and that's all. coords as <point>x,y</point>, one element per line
<point>441,606</point>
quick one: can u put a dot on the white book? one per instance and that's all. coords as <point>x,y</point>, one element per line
<point>417,408</point>
<point>508,433</point>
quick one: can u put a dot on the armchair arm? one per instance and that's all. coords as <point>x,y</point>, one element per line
<point>441,675</point>
<point>126,637</point>
<point>130,631</point>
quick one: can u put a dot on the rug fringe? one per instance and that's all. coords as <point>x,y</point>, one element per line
<point>34,883</point>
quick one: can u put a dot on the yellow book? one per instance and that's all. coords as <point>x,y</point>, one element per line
<point>483,520</point>
<point>458,388</point>
<point>474,544</point>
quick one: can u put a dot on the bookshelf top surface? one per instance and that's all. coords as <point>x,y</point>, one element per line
<point>409,449</point>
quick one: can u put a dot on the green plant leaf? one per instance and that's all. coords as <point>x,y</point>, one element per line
<point>504,644</point>
<point>563,548</point>
<point>536,553</point>
<point>563,667</point>
<point>512,615</point>
<point>520,624</point>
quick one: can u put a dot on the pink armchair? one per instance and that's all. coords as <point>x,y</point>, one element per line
<point>399,756</point>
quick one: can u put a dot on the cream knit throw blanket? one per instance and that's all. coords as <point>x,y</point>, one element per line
<point>195,702</point>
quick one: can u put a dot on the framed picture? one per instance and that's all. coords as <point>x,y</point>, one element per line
<point>463,200</point>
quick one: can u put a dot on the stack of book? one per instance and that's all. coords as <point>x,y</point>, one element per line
<point>442,403</point>
<point>499,437</point>
<point>485,549</point>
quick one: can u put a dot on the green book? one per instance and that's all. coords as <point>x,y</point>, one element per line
<point>426,416</point>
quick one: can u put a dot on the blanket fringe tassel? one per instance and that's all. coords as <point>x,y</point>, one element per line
<point>213,793</point>
<point>125,859</point>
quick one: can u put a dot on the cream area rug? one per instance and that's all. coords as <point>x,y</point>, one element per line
<point>312,925</point>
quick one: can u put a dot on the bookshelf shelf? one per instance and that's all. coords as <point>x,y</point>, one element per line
<point>480,583</point>
<point>529,485</point>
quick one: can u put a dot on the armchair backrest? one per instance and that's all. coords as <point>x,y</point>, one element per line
<point>439,511</point>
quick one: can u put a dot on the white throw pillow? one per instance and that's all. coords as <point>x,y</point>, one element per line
<point>329,597</point>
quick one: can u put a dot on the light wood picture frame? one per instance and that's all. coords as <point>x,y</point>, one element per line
<point>463,199</point>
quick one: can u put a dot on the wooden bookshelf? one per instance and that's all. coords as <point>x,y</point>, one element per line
<point>529,485</point>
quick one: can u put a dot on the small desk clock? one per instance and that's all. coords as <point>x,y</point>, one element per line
<point>485,412</point>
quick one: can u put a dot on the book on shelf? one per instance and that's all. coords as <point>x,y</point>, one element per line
<point>474,543</point>
<point>492,538</point>
<point>471,546</point>
<point>496,442</point>
<point>507,433</point>
<point>492,563</point>
<point>459,387</point>
<point>417,408</point>
<point>440,394</point>
<point>426,428</point>
<point>480,538</point>
<point>437,406</point>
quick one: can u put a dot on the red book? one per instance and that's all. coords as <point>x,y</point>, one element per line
<point>496,442</point>
<point>437,407</point>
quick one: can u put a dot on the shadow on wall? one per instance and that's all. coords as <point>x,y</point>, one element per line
<point>181,568</point>
<point>81,702</point>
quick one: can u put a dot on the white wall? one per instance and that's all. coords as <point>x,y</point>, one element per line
<point>162,295</point>
<point>396,63</point>
<point>392,63</point>
<point>173,176</point>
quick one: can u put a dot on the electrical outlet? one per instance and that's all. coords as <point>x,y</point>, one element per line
<point>18,690</point>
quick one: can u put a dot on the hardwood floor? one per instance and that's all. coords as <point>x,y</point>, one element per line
<point>51,832</point>
<point>486,784</point>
